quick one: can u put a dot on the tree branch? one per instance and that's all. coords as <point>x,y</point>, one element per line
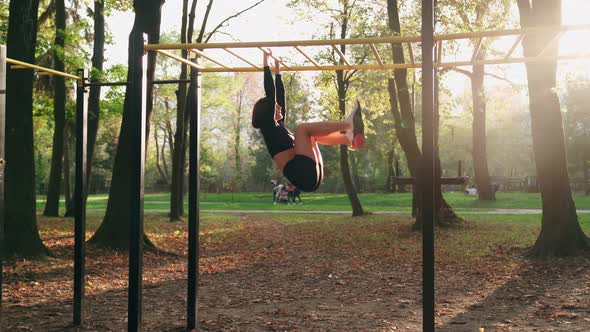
<point>204,23</point>
<point>499,78</point>
<point>220,25</point>
<point>458,70</point>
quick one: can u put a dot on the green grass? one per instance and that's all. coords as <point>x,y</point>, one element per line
<point>335,202</point>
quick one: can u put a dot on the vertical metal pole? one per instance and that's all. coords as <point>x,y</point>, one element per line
<point>193,200</point>
<point>80,197</point>
<point>459,169</point>
<point>137,114</point>
<point>2,162</point>
<point>428,167</point>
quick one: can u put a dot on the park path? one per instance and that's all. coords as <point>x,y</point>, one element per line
<point>392,212</point>
<point>496,211</point>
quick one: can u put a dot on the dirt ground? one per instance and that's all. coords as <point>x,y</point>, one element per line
<point>320,273</point>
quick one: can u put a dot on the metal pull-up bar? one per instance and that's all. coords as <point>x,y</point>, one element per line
<point>24,65</point>
<point>372,43</point>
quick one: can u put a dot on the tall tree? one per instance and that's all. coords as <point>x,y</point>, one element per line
<point>343,19</point>
<point>21,233</point>
<point>98,15</point>
<point>178,152</point>
<point>346,19</point>
<point>405,121</point>
<point>114,230</point>
<point>59,113</point>
<point>477,16</point>
<point>182,117</point>
<point>560,230</point>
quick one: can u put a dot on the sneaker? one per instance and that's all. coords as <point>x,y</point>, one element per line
<point>358,127</point>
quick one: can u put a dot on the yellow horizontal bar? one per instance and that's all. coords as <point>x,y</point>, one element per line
<point>312,68</point>
<point>386,66</point>
<point>180,59</point>
<point>42,69</point>
<point>366,41</point>
<point>292,43</point>
<point>513,60</point>
<point>511,32</point>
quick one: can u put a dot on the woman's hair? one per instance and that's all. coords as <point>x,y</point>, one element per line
<point>263,113</point>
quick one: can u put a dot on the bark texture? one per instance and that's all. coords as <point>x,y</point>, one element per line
<point>59,114</point>
<point>405,122</point>
<point>114,230</point>
<point>95,76</point>
<point>561,234</point>
<point>21,233</point>
<point>342,84</point>
<point>483,181</point>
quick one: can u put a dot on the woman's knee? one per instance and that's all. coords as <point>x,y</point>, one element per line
<point>302,130</point>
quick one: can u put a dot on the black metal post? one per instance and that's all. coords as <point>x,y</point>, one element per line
<point>137,101</point>
<point>193,200</point>
<point>428,167</point>
<point>2,162</point>
<point>459,169</point>
<point>161,82</point>
<point>80,197</point>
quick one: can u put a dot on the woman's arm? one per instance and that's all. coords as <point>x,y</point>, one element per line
<point>280,90</point>
<point>269,86</point>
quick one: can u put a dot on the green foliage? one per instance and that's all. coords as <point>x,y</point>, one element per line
<point>577,124</point>
<point>3,21</point>
<point>119,5</point>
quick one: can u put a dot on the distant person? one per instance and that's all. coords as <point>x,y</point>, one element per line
<point>294,193</point>
<point>471,191</point>
<point>298,156</point>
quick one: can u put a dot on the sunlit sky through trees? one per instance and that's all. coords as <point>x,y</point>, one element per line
<point>273,20</point>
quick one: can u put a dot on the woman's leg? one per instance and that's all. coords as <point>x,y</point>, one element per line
<point>306,135</point>
<point>338,138</point>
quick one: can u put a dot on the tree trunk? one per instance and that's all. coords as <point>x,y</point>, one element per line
<point>94,92</point>
<point>445,216</point>
<point>178,160</point>
<point>342,84</point>
<point>355,203</point>
<point>560,230</point>
<point>485,190</point>
<point>389,187</point>
<point>59,114</point>
<point>114,230</point>
<point>160,156</point>
<point>237,138</point>
<point>405,122</point>
<point>66,166</point>
<point>93,95</point>
<point>586,178</point>
<point>398,172</point>
<point>21,233</point>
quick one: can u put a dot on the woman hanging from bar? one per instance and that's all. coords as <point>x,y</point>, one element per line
<point>298,156</point>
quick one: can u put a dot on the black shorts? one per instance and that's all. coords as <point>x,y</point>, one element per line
<point>304,173</point>
<point>277,139</point>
